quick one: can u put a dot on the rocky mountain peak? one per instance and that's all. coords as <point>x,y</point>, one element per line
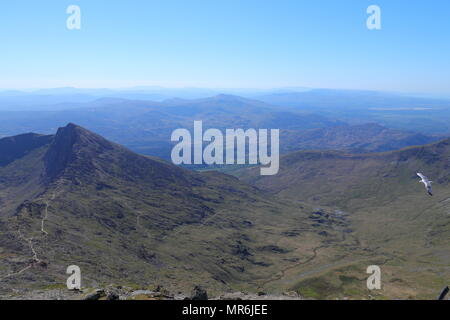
<point>72,143</point>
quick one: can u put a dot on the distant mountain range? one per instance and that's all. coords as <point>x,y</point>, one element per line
<point>320,99</point>
<point>146,126</point>
<point>64,98</point>
<point>424,115</point>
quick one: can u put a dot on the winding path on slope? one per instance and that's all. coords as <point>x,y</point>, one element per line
<point>47,204</point>
<point>29,241</point>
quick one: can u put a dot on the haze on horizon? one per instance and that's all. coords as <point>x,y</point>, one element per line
<point>227,45</point>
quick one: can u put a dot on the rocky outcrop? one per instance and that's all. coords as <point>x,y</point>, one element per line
<point>198,293</point>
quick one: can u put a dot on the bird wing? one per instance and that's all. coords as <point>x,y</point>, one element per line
<point>422,176</point>
<point>426,182</point>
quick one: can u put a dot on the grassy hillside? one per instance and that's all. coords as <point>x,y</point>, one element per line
<point>130,219</point>
<point>139,221</point>
<point>391,213</point>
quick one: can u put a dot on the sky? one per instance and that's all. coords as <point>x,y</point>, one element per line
<point>226,44</point>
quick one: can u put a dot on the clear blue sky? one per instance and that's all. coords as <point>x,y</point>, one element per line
<point>227,43</point>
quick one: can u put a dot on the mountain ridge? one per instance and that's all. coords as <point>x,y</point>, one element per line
<point>134,220</point>
<point>127,218</point>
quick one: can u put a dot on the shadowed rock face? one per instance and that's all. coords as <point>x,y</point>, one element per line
<point>73,143</point>
<point>61,150</point>
<point>79,153</point>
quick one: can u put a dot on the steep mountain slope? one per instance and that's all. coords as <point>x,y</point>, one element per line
<point>390,211</point>
<point>13,148</point>
<point>130,219</point>
<point>20,169</point>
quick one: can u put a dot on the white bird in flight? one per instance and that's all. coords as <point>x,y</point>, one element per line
<point>427,183</point>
